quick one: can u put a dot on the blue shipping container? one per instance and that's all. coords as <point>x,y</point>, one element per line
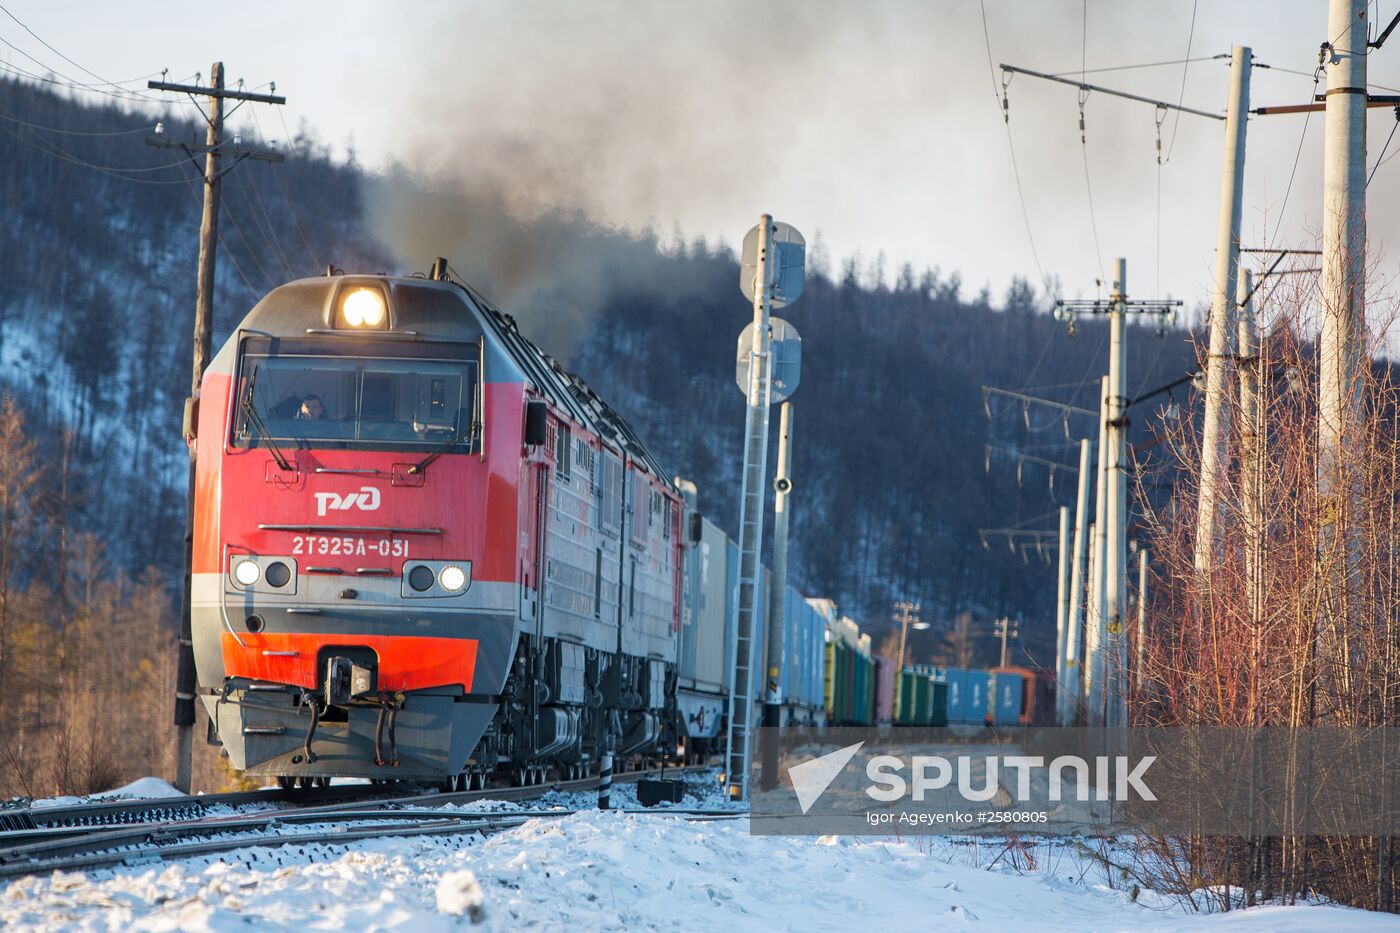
<point>1006,694</point>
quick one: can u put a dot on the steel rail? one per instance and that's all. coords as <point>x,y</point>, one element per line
<point>101,818</point>
<point>142,845</point>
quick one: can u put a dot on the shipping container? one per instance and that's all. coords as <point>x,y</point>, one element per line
<point>938,703</point>
<point>1005,697</point>
<point>704,625</point>
<point>967,694</point>
<point>885,680</point>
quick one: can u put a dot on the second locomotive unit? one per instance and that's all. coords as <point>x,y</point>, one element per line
<point>422,549</point>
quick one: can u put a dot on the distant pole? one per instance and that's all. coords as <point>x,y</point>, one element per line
<point>1095,632</point>
<point>185,679</point>
<point>1062,602</point>
<point>773,698</point>
<point>1006,628</point>
<point>1116,508</point>
<point>748,621</point>
<point>1340,345</point>
<point>1227,254</point>
<point>906,614</point>
<point>1070,691</point>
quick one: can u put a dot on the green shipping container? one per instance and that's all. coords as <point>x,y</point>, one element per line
<point>938,707</point>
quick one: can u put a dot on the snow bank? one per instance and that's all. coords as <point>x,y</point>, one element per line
<point>146,788</point>
<point>616,870</point>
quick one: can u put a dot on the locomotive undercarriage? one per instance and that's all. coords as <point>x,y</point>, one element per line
<point>565,705</point>
<point>562,707</point>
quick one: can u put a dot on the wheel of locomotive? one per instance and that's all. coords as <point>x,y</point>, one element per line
<point>286,781</point>
<point>321,782</point>
<point>305,782</point>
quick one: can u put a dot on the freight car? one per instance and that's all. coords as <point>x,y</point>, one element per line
<point>706,662</point>
<point>1037,695</point>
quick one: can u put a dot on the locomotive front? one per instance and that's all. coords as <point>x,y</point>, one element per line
<point>356,572</point>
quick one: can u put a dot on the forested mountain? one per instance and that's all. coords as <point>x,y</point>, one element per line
<point>893,475</point>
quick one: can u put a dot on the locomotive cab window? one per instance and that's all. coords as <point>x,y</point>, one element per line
<point>292,394</point>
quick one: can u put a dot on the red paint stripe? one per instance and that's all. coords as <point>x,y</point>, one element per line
<point>406,662</point>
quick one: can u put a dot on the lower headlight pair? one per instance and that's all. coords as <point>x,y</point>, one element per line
<point>247,573</point>
<point>451,578</point>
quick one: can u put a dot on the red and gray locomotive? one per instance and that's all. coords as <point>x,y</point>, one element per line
<point>422,549</point>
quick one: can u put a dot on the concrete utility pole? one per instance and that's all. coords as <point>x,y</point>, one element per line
<point>1227,257</point>
<point>1116,563</point>
<point>1062,603</point>
<point>1107,648</point>
<point>1095,631</point>
<point>1343,247</point>
<point>907,615</point>
<point>1006,628</point>
<point>773,698</point>
<point>1069,694</point>
<point>212,149</point>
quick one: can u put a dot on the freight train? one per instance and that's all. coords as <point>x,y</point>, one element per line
<point>424,551</point>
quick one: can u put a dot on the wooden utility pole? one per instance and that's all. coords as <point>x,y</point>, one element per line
<point>907,614</point>
<point>1006,628</point>
<point>213,148</point>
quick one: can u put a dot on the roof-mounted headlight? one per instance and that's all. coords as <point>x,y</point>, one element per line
<point>362,308</point>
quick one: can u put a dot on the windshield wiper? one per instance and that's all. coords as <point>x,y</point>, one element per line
<point>251,416</point>
<point>468,435</point>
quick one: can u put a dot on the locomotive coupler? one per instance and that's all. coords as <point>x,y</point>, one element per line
<point>347,680</point>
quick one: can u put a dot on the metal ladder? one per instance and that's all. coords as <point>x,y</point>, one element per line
<point>748,627</point>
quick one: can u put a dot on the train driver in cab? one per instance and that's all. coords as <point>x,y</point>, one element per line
<point>312,409</point>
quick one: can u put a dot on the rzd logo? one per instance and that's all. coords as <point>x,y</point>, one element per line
<point>367,499</point>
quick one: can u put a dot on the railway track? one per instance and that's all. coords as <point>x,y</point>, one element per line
<point>77,846</point>
<point>99,813</point>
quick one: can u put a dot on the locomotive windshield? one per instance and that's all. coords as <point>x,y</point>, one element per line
<point>307,394</point>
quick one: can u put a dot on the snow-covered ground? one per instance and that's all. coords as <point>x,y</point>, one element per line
<point>620,870</point>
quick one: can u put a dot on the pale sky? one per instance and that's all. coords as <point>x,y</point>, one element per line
<point>874,123</point>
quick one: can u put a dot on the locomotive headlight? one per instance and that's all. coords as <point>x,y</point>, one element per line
<point>363,307</point>
<point>452,578</point>
<point>247,572</point>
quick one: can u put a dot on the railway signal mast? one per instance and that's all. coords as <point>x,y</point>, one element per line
<point>212,150</point>
<point>769,364</point>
